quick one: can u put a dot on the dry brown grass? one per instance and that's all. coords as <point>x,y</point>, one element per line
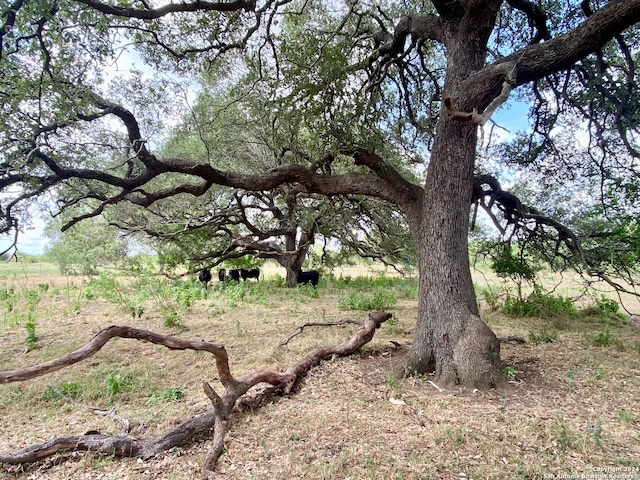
<point>572,406</point>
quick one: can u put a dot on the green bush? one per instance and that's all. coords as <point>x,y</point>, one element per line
<point>607,339</point>
<point>540,304</point>
<point>609,310</point>
<point>31,337</point>
<point>8,298</point>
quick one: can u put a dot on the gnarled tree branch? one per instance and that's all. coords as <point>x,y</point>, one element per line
<point>215,417</point>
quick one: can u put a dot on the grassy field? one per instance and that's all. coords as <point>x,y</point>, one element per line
<point>572,406</point>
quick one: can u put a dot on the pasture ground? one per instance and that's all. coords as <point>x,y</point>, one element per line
<point>572,406</point>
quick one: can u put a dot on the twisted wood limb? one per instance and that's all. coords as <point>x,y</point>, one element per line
<point>103,336</point>
<point>482,118</point>
<point>215,417</point>
<point>301,328</point>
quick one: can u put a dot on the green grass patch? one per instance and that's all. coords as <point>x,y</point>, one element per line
<point>380,299</point>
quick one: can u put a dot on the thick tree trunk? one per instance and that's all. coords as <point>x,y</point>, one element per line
<point>291,260</point>
<point>450,339</point>
<point>295,257</point>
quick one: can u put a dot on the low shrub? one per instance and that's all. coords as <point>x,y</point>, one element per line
<point>381,299</point>
<point>540,304</point>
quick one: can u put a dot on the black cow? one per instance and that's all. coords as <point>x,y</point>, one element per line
<point>222,274</point>
<point>233,275</point>
<point>304,278</point>
<point>204,276</point>
<point>250,273</point>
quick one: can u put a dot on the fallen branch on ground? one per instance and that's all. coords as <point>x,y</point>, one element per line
<point>512,338</point>
<point>215,417</point>
<point>301,328</point>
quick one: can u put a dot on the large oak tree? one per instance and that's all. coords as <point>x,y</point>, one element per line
<point>62,131</point>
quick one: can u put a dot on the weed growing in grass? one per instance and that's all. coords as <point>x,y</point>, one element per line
<point>68,389</point>
<point>216,312</point>
<point>187,293</point>
<point>596,434</point>
<point>544,335</point>
<point>562,434</point>
<point>170,317</point>
<point>457,435</point>
<point>166,395</point>
<point>380,300</point>
<point>118,382</point>
<point>309,291</point>
<point>171,394</point>
<point>539,304</point>
<point>31,336</point>
<point>234,293</point>
<point>393,383</point>
<point>113,382</point>
<point>624,416</point>
<point>607,339</point>
<point>136,311</point>
<point>600,374</point>
<point>371,468</point>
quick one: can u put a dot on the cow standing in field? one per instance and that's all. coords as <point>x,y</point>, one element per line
<point>304,278</point>
<point>233,275</point>
<point>204,276</point>
<point>250,273</point>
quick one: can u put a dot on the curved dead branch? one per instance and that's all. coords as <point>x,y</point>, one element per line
<point>216,417</point>
<point>166,9</point>
<point>482,118</point>
<point>301,328</point>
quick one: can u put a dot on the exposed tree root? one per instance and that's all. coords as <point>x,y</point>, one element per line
<point>215,418</point>
<point>512,338</point>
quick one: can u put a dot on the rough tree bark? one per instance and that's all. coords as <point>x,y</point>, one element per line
<point>214,418</point>
<point>450,339</point>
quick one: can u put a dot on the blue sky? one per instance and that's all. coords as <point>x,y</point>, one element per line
<point>31,241</point>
